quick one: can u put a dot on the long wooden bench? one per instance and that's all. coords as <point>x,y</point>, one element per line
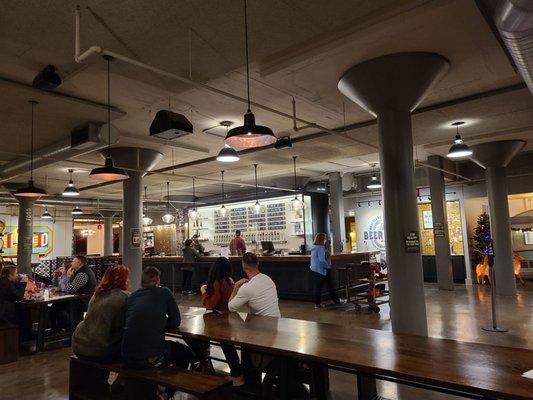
<point>9,343</point>
<point>88,381</point>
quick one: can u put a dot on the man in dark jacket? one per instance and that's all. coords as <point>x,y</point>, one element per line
<point>12,290</point>
<point>149,312</point>
<point>81,277</point>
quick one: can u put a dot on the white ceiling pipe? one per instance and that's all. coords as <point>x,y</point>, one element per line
<point>80,58</point>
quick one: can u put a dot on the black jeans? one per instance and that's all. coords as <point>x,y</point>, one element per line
<point>319,281</point>
<point>233,359</point>
<point>186,282</point>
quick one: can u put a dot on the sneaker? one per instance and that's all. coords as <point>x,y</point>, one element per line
<point>237,380</point>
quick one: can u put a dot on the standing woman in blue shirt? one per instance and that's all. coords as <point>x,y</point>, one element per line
<point>321,270</point>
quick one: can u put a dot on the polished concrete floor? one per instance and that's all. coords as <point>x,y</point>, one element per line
<point>459,315</point>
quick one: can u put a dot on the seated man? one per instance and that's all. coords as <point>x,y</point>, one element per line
<point>149,311</point>
<point>257,291</point>
<point>81,277</point>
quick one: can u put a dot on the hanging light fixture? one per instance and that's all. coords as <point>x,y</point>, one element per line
<point>249,135</point>
<point>223,210</point>
<point>257,206</point>
<point>31,190</point>
<point>193,213</point>
<point>71,190</point>
<point>108,172</point>
<point>227,153</point>
<point>168,217</point>
<point>459,149</point>
<point>146,220</point>
<point>296,202</point>
<point>374,181</point>
<point>46,214</point>
<point>77,211</point>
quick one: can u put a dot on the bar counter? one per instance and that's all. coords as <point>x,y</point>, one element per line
<point>291,273</point>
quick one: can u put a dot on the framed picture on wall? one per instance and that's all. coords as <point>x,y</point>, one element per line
<point>428,219</point>
<point>528,237</point>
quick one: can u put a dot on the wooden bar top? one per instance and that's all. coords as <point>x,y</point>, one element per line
<point>482,369</point>
<point>346,257</point>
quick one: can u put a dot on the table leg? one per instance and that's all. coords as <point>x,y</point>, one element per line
<point>319,384</point>
<point>366,388</point>
<point>284,380</point>
<point>41,325</point>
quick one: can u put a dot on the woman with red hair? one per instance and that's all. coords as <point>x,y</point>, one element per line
<point>98,337</point>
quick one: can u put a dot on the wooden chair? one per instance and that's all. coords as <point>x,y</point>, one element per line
<point>88,381</point>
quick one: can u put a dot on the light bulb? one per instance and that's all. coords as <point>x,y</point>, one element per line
<point>296,204</point>
<point>168,218</point>
<point>193,214</point>
<point>147,220</point>
<point>257,207</point>
<point>223,211</point>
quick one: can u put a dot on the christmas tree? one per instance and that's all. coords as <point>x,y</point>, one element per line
<point>481,238</point>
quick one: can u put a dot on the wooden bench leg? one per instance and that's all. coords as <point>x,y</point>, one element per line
<point>366,388</point>
<point>136,390</point>
<point>319,384</point>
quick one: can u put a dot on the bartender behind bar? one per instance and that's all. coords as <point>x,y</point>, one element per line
<point>237,246</point>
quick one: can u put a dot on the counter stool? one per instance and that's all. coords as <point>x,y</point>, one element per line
<point>344,279</point>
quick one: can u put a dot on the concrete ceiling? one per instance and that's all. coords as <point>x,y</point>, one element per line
<point>298,49</point>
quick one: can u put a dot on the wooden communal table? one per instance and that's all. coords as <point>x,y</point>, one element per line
<point>42,311</point>
<point>460,368</point>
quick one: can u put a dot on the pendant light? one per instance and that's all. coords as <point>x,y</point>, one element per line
<point>31,190</point>
<point>70,190</point>
<point>193,213</point>
<point>46,214</point>
<point>77,211</point>
<point>257,206</point>
<point>227,153</point>
<point>168,217</point>
<point>223,210</point>
<point>146,220</point>
<point>108,172</point>
<point>374,181</point>
<point>296,202</point>
<point>459,149</point>
<point>249,135</point>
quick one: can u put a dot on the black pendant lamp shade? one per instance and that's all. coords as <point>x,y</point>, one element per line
<point>374,183</point>
<point>77,211</point>
<point>31,190</point>
<point>228,154</point>
<point>459,149</point>
<point>108,172</point>
<point>249,135</point>
<point>70,190</point>
<point>46,214</point>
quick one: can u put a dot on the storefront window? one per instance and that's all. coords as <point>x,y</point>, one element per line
<point>454,228</point>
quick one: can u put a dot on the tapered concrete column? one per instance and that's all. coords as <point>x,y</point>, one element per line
<point>25,234</point>
<point>108,232</point>
<point>391,87</point>
<point>494,157</point>
<point>138,162</point>
<point>336,203</point>
<point>443,257</point>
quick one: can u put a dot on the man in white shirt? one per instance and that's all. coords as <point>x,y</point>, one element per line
<point>257,292</point>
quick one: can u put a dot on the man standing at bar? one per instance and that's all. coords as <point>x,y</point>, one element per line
<point>237,246</point>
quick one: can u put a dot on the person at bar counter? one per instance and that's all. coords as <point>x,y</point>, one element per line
<point>197,245</point>
<point>321,270</point>
<point>215,297</point>
<point>190,255</point>
<point>237,246</point>
<point>257,291</point>
<point>151,310</point>
<point>99,336</point>
<point>12,288</point>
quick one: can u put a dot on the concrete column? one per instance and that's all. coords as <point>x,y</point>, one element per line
<point>443,257</point>
<point>336,202</point>
<point>319,213</point>
<point>494,157</point>
<point>108,232</point>
<point>25,234</point>
<point>137,161</point>
<point>391,87</point>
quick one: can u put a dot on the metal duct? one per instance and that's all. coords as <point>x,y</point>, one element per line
<point>514,20</point>
<point>81,141</point>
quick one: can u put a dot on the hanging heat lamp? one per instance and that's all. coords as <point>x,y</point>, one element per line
<point>459,149</point>
<point>223,210</point>
<point>46,214</point>
<point>257,206</point>
<point>374,181</point>
<point>70,190</point>
<point>193,213</point>
<point>227,153</point>
<point>249,135</point>
<point>77,211</point>
<point>31,190</point>
<point>168,217</point>
<point>296,202</point>
<point>146,219</point>
<point>108,172</point>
